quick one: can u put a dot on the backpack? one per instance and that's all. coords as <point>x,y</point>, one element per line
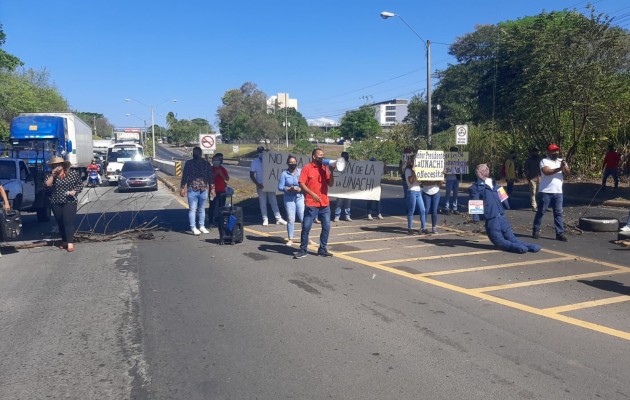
<point>503,169</point>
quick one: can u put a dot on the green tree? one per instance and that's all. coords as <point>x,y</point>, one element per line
<point>8,62</point>
<point>360,124</point>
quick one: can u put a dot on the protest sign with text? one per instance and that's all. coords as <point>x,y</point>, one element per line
<point>359,180</point>
<point>273,165</point>
<point>455,162</point>
<point>429,165</point>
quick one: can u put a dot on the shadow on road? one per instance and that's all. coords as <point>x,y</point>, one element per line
<point>608,285</point>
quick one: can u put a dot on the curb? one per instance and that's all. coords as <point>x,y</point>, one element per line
<point>166,182</point>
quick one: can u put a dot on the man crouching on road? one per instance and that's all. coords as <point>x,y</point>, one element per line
<point>315,180</point>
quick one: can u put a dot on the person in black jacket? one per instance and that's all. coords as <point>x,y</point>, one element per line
<point>498,228</point>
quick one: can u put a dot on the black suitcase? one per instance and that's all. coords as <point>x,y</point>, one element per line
<point>230,220</point>
<point>10,224</point>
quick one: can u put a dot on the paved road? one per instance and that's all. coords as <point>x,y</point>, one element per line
<point>390,316</point>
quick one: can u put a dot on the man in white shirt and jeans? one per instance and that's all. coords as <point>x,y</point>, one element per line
<point>256,175</point>
<point>552,170</point>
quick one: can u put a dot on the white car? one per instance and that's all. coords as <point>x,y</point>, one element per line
<point>18,183</point>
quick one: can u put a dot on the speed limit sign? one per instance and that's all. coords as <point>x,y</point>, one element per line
<point>461,134</point>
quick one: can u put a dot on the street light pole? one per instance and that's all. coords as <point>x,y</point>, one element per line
<point>286,120</point>
<point>427,43</point>
<point>152,108</point>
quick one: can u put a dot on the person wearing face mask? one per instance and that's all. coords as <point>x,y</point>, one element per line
<point>256,175</point>
<point>293,195</point>
<point>498,228</point>
<point>221,177</point>
<point>315,179</point>
<point>553,169</point>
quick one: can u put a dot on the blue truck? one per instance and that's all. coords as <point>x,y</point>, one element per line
<point>36,137</point>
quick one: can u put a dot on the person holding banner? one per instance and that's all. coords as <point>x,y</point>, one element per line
<point>293,195</point>
<point>452,190</point>
<point>431,199</point>
<point>256,175</point>
<point>498,228</point>
<point>345,203</point>
<point>414,199</point>
<point>373,205</point>
<point>315,179</point>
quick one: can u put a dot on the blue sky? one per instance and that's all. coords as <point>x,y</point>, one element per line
<point>332,56</point>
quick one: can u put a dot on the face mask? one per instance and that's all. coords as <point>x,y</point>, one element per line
<point>319,160</point>
<point>554,156</point>
<point>216,163</point>
<point>260,156</point>
<point>292,167</point>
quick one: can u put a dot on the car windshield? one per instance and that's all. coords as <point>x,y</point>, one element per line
<point>7,169</point>
<point>137,166</point>
<point>122,154</point>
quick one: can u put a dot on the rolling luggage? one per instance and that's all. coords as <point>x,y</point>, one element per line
<point>10,224</point>
<point>230,223</point>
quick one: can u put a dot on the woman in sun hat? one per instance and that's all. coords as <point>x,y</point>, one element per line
<point>66,184</point>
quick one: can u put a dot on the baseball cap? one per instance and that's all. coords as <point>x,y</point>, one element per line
<point>260,149</point>
<point>553,147</point>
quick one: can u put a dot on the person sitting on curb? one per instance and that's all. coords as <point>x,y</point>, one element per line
<point>498,228</point>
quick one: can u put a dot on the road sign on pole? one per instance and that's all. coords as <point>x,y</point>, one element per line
<point>208,143</point>
<point>461,134</point>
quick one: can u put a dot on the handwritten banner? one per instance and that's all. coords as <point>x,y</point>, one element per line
<point>455,162</point>
<point>429,165</point>
<point>359,180</point>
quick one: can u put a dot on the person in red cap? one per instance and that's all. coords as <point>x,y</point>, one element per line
<point>552,169</point>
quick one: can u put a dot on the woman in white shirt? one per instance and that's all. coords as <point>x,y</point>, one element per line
<point>414,198</point>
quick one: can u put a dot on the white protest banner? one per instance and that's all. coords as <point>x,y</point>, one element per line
<point>429,165</point>
<point>273,165</point>
<point>455,162</point>
<point>359,180</point>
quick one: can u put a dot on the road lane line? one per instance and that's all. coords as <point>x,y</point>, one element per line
<point>437,257</point>
<point>547,281</point>
<point>383,239</point>
<point>362,251</point>
<point>586,259</point>
<point>587,304</point>
<point>484,296</point>
<point>496,266</point>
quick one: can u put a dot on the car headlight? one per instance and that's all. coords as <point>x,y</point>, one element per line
<point>153,177</point>
<point>121,178</point>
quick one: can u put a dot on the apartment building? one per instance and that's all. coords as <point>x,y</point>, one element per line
<point>391,112</point>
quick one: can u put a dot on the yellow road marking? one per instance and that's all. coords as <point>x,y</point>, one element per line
<point>362,251</point>
<point>586,259</point>
<point>494,299</point>
<point>472,253</point>
<point>415,246</point>
<point>545,281</point>
<point>383,239</point>
<point>587,304</point>
<point>496,266</point>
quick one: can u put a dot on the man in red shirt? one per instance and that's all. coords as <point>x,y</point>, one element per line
<point>315,179</point>
<point>611,167</point>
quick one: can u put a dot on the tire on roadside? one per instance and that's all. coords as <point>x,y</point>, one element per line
<point>599,224</point>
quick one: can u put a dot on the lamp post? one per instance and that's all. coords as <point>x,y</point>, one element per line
<point>286,120</point>
<point>152,108</point>
<point>427,43</point>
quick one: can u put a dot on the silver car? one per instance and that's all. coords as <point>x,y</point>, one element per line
<point>137,175</point>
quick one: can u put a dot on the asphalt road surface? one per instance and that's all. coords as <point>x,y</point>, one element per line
<point>390,316</point>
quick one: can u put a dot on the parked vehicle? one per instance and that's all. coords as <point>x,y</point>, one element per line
<point>18,182</point>
<point>128,135</point>
<point>117,155</point>
<point>137,175</point>
<point>36,137</point>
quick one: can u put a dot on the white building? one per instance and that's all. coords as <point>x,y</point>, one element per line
<point>282,99</point>
<point>391,112</point>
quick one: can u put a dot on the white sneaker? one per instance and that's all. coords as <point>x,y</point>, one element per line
<point>265,222</point>
<point>369,217</point>
<point>203,230</point>
<point>196,231</point>
<point>290,243</point>
<point>336,219</point>
<point>625,228</point>
<point>379,216</point>
<point>281,222</point>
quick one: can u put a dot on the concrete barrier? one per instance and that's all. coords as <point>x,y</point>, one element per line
<point>172,168</point>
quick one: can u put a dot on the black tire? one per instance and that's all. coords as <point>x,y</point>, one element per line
<point>44,213</point>
<point>599,224</point>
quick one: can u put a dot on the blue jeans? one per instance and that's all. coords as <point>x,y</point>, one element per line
<point>373,205</point>
<point>292,205</point>
<point>414,200</point>
<point>544,200</point>
<point>452,190</point>
<point>324,217</point>
<point>197,204</point>
<point>345,203</point>
<point>431,204</point>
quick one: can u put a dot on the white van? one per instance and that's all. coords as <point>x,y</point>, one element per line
<point>117,155</point>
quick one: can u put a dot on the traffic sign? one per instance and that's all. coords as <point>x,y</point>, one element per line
<point>208,143</point>
<point>461,134</point>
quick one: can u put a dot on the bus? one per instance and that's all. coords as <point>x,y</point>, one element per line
<point>117,155</point>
